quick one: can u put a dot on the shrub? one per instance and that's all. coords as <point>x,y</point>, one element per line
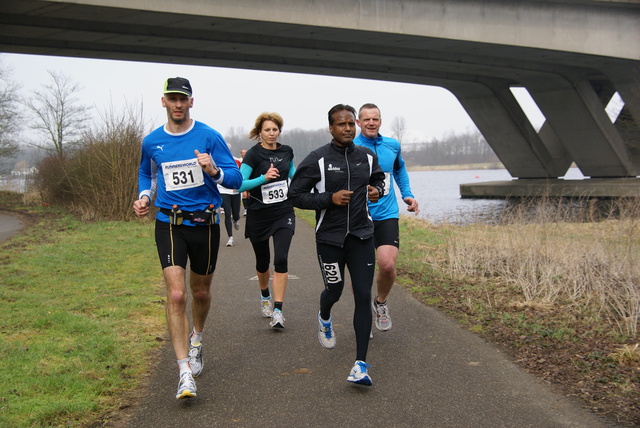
<point>98,179</point>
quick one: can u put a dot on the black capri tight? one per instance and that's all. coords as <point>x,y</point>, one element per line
<point>281,243</point>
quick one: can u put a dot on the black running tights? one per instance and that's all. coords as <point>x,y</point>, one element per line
<point>231,206</point>
<point>359,257</point>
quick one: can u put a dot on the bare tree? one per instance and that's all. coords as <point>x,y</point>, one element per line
<point>60,120</point>
<point>398,127</point>
<point>304,141</point>
<point>9,112</point>
<point>238,139</point>
<point>453,149</point>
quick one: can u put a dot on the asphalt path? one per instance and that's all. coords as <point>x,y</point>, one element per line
<point>427,371</point>
<point>10,224</point>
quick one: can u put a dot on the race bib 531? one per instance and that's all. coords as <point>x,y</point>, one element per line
<point>183,174</point>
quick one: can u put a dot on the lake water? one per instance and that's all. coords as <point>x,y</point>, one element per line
<point>438,193</point>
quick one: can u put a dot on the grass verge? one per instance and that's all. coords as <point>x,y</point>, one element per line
<point>81,306</point>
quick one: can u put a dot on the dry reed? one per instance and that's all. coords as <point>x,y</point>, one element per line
<point>553,253</point>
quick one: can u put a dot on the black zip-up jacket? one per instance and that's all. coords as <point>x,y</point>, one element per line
<point>329,169</point>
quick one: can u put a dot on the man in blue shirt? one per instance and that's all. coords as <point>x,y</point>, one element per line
<point>183,162</point>
<point>385,212</point>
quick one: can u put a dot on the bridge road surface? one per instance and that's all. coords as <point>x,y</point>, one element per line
<point>427,371</point>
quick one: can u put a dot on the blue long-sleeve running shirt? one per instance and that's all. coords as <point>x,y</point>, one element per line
<point>169,167</point>
<point>395,171</point>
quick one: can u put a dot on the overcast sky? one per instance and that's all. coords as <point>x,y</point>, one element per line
<point>226,98</point>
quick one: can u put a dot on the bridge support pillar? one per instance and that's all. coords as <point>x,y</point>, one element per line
<point>574,111</point>
<point>500,119</point>
<point>626,81</point>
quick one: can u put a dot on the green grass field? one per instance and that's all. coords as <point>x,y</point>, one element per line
<point>81,305</point>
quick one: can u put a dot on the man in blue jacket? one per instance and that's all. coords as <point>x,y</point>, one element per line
<point>385,212</point>
<point>183,162</point>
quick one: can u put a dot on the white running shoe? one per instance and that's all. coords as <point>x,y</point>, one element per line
<point>195,359</point>
<point>230,242</point>
<point>266,307</point>
<point>277,319</point>
<point>236,225</point>
<point>381,314</point>
<point>186,386</point>
<point>326,335</point>
<point>359,374</point>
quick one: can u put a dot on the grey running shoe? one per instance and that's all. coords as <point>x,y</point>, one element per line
<point>195,359</point>
<point>265,305</point>
<point>325,333</point>
<point>186,386</point>
<point>236,225</point>
<point>230,242</point>
<point>359,374</point>
<point>277,319</point>
<point>381,314</point>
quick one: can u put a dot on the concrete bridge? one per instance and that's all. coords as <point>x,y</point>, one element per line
<point>571,55</point>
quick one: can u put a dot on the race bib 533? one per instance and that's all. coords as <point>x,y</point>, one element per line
<point>274,192</point>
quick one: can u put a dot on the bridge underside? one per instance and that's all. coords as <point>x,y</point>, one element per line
<point>571,89</point>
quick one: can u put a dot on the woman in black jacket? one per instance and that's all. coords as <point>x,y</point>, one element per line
<point>336,180</point>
